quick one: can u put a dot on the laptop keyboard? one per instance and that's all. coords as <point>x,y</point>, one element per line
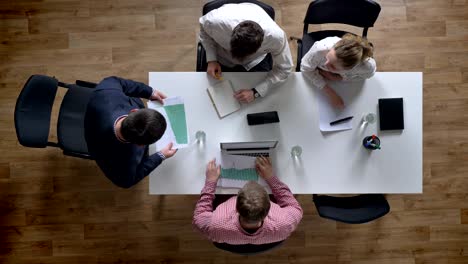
<point>254,154</point>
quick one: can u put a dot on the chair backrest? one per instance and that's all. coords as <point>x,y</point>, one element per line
<point>218,3</point>
<point>352,210</point>
<point>70,125</point>
<point>33,109</point>
<point>248,249</point>
<point>359,13</point>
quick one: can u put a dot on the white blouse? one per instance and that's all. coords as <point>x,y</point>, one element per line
<point>315,59</point>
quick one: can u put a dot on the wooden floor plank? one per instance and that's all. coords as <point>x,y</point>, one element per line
<point>19,9</point>
<point>92,24</point>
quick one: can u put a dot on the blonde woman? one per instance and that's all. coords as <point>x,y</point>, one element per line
<point>336,59</point>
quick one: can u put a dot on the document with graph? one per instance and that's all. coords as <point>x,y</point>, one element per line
<point>237,170</point>
<point>173,111</point>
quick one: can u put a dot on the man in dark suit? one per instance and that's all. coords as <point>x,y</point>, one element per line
<point>118,130</point>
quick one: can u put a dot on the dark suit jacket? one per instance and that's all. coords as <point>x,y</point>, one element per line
<point>125,164</point>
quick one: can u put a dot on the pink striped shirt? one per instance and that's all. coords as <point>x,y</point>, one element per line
<point>222,225</point>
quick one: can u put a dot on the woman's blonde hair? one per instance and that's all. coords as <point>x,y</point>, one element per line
<point>352,50</point>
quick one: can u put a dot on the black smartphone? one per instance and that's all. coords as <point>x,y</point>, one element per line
<point>262,118</point>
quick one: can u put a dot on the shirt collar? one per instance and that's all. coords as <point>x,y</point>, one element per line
<point>115,132</point>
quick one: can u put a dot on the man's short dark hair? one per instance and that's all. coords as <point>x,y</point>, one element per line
<point>253,202</point>
<point>143,127</point>
<point>246,39</point>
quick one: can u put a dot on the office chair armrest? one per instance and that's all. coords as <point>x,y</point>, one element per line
<point>77,155</point>
<point>299,55</point>
<point>85,84</point>
<point>201,58</point>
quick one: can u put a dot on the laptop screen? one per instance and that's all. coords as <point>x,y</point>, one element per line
<point>249,145</point>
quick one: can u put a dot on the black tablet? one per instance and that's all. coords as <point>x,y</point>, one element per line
<point>391,114</point>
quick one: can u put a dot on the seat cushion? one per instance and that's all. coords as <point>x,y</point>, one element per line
<point>70,127</point>
<point>352,210</point>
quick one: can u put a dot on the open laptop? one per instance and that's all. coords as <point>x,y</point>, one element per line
<point>253,148</point>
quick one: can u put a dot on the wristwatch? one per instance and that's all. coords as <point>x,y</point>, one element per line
<point>256,94</point>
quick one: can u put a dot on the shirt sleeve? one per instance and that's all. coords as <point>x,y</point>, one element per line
<point>285,199</point>
<point>128,87</point>
<point>309,64</point>
<point>206,40</point>
<point>204,209</point>
<point>282,66</point>
<point>363,71</point>
<point>147,165</point>
<point>126,176</point>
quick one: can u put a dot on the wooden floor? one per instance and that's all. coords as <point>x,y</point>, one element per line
<point>56,209</point>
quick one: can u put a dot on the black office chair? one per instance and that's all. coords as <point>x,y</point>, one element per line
<point>201,54</point>
<point>358,13</point>
<point>352,210</point>
<point>33,111</point>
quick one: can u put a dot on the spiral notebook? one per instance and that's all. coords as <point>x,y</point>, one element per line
<point>222,97</point>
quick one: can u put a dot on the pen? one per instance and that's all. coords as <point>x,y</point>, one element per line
<point>341,120</point>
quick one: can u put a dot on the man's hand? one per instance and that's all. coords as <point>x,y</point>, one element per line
<point>245,95</point>
<point>168,151</point>
<point>334,98</point>
<point>212,171</point>
<point>214,69</point>
<point>264,168</point>
<point>158,96</point>
<point>330,75</point>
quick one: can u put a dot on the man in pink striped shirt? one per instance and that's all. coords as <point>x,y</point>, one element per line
<point>250,217</point>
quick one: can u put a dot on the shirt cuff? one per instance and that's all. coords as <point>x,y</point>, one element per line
<point>320,83</point>
<point>262,88</point>
<point>210,56</point>
<point>160,154</point>
<point>153,93</point>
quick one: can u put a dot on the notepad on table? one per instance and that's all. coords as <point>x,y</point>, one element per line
<point>221,95</point>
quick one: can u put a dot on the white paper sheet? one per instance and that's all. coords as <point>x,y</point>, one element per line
<point>169,135</point>
<point>328,113</point>
<point>222,96</point>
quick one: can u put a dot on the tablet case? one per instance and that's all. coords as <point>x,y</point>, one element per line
<point>391,114</point>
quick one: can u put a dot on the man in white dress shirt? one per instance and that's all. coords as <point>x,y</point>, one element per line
<point>240,37</point>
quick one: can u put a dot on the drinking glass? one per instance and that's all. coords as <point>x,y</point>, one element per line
<point>296,151</point>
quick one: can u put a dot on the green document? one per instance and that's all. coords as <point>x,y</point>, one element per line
<point>243,174</point>
<point>176,115</point>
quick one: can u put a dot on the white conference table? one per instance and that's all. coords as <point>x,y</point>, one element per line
<point>330,163</point>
